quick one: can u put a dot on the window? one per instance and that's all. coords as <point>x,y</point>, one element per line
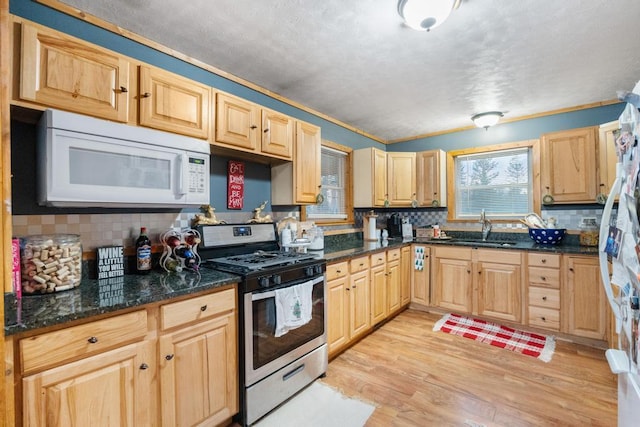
<point>499,180</point>
<point>336,184</point>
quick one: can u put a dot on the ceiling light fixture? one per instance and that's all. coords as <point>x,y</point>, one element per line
<point>485,120</point>
<point>423,15</point>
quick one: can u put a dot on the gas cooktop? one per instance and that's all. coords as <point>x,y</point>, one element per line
<point>259,260</point>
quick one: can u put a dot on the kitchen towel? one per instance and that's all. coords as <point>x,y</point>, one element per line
<point>418,258</point>
<point>293,307</point>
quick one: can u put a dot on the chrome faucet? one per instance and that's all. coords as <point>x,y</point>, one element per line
<point>486,225</point>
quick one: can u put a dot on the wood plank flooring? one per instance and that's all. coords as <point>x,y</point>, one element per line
<point>417,377</point>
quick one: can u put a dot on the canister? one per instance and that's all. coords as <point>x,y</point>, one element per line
<point>51,263</point>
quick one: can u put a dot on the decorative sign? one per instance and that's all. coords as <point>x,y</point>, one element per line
<point>235,186</point>
<point>110,261</point>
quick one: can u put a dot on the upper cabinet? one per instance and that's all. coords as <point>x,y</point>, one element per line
<point>401,178</point>
<point>60,71</point>
<point>432,178</point>
<point>568,166</point>
<point>298,182</point>
<point>173,103</point>
<point>383,179</point>
<point>243,125</point>
<point>608,158</point>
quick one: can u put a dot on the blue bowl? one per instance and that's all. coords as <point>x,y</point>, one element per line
<point>547,236</point>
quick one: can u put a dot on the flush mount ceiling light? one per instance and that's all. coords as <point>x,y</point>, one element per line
<point>423,15</point>
<point>485,120</point>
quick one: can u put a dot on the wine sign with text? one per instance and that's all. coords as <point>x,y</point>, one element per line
<point>235,185</point>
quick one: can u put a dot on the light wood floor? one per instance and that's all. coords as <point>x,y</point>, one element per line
<point>417,377</point>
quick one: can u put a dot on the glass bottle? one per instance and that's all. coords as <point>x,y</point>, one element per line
<point>143,252</point>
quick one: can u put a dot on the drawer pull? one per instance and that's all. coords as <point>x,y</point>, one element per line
<point>123,89</point>
<point>144,366</point>
<point>544,279</point>
<point>544,319</point>
<point>348,289</point>
<point>169,356</point>
<point>544,298</point>
<point>339,271</point>
<point>543,260</point>
<point>93,340</point>
<point>145,95</point>
<point>253,127</point>
<point>203,308</point>
<point>354,286</point>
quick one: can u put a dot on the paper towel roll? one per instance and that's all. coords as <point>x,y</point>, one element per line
<point>371,232</point>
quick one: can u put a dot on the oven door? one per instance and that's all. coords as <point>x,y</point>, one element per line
<point>264,352</point>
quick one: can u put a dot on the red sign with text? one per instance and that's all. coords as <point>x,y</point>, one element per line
<point>235,185</point>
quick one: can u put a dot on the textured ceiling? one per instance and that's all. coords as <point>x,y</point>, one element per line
<point>355,61</point>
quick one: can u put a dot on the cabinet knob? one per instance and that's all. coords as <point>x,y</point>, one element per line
<point>266,130</point>
<point>571,269</point>
<point>544,260</point>
<point>93,340</point>
<point>123,89</point>
<point>144,366</point>
<point>544,319</point>
<point>544,279</point>
<point>203,308</point>
<point>544,298</point>
<point>169,356</point>
<point>253,127</point>
<point>145,95</point>
<point>354,286</point>
<point>348,289</point>
<point>338,271</point>
<point>468,271</point>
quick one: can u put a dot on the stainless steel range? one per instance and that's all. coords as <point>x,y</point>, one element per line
<point>273,365</point>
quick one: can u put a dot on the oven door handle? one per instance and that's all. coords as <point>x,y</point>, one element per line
<point>257,296</point>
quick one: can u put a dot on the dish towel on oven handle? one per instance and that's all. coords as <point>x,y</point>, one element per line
<point>293,307</point>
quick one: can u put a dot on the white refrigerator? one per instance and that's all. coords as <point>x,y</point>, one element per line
<point>619,249</point>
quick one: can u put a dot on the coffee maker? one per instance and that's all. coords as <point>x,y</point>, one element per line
<point>394,225</point>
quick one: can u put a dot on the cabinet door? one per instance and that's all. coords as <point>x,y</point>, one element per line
<point>401,178</point>
<point>198,373</point>
<point>500,291</point>
<point>173,103</point>
<point>59,71</point>
<point>607,156</point>
<point>237,122</point>
<point>452,287</point>
<point>432,178</point>
<point>379,306</point>
<point>569,165</point>
<point>115,388</point>
<point>420,280</point>
<point>307,163</point>
<point>359,310</point>
<point>338,313</point>
<point>583,299</point>
<point>394,291</point>
<point>277,134</point>
<point>405,276</point>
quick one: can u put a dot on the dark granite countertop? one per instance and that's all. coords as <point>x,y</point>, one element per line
<point>95,297</point>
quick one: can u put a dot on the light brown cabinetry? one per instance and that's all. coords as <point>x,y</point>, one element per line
<point>347,302</point>
<point>60,71</point>
<point>298,182</point>
<point>199,361</point>
<point>607,156</point>
<point>584,304</point>
<point>453,284</point>
<point>499,284</point>
<point>544,290</point>
<point>379,305</point>
<point>173,103</point>
<point>568,166</point>
<point>67,374</point>
<point>479,281</point>
<point>401,178</point>
<point>421,279</point>
<point>369,177</point>
<point>394,285</point>
<point>405,275</point>
<point>431,178</point>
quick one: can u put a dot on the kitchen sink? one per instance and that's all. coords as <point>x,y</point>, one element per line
<point>484,243</point>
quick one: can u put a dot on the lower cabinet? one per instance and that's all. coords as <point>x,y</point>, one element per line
<point>114,371</point>
<point>452,285</point>
<point>405,276</point>
<point>379,305</point>
<point>394,285</point>
<point>111,388</point>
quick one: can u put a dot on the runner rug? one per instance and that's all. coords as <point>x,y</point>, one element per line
<point>539,346</point>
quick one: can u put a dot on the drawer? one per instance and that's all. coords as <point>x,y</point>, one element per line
<point>378,259</point>
<point>544,276</point>
<point>199,308</point>
<point>508,256</point>
<point>337,270</point>
<point>544,260</point>
<point>544,318</point>
<point>393,255</point>
<point>544,297</point>
<point>57,347</point>
<point>359,264</point>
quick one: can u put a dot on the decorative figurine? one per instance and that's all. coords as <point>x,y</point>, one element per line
<point>257,214</point>
<point>209,216</point>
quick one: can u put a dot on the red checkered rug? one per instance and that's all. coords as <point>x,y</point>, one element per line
<point>535,345</point>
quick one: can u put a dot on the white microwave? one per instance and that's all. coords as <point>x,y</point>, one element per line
<point>88,162</point>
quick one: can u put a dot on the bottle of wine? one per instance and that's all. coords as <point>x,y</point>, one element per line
<point>143,252</point>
